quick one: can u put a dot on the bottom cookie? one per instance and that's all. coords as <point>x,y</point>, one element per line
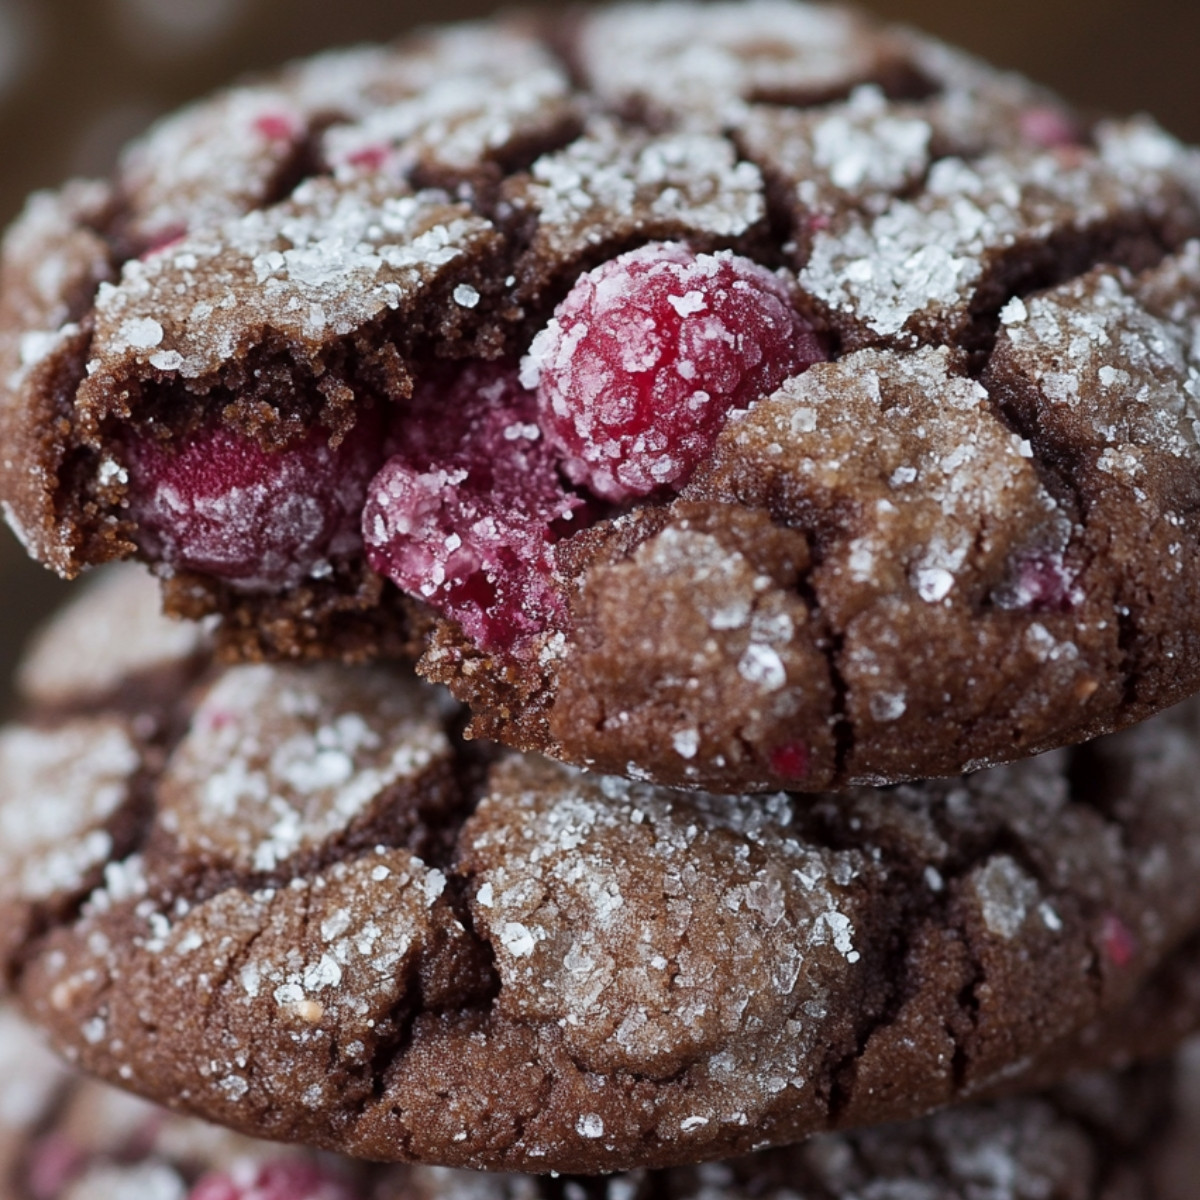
<point>294,900</point>
<point>1133,1135</point>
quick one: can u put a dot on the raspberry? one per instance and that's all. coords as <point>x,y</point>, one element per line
<point>465,513</point>
<point>258,519</point>
<point>645,358</point>
<point>285,1179</point>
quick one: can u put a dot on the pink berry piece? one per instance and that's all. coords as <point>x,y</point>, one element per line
<point>1117,941</point>
<point>53,1163</point>
<point>284,1179</point>
<point>261,520</point>
<point>1050,128</point>
<point>792,760</point>
<point>466,512</point>
<point>647,356</point>
<point>1043,583</point>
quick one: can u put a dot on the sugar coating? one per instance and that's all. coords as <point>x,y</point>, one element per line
<point>862,152</point>
<point>210,163</point>
<point>329,918</point>
<point>600,925</point>
<point>333,258</point>
<point>321,243</point>
<point>516,92</point>
<point>920,259</point>
<point>279,760</point>
<point>1143,370</point>
<point>612,184</point>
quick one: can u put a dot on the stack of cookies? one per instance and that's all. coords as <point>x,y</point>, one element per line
<point>676,525</point>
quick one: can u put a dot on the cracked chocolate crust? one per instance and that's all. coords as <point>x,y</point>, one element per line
<point>1102,1137</point>
<point>294,900</point>
<point>984,506</point>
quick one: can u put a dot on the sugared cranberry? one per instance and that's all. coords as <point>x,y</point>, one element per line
<point>645,358</point>
<point>258,519</point>
<point>464,514</point>
<point>285,1179</point>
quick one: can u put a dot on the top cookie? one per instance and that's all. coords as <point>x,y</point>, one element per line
<point>719,395</point>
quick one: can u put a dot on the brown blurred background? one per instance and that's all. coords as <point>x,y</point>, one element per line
<point>79,77</point>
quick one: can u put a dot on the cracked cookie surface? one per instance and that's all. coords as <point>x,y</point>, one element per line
<point>1126,1136</point>
<point>981,505</point>
<point>295,900</point>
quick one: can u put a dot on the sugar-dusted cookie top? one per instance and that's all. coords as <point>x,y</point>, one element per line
<point>293,899</point>
<point>729,396</point>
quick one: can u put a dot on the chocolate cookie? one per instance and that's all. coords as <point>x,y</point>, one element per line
<point>294,900</point>
<point>715,395</point>
<point>1118,1137</point>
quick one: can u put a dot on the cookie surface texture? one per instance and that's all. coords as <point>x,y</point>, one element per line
<point>294,900</point>
<point>1126,1136</point>
<point>712,395</point>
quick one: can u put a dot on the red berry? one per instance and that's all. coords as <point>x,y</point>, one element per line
<point>464,513</point>
<point>1118,941</point>
<point>644,360</point>
<point>284,1179</point>
<point>791,761</point>
<point>258,519</point>
<point>1045,584</point>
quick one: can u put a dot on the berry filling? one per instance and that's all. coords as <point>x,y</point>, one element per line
<point>281,1180</point>
<point>259,519</point>
<point>461,502</point>
<point>465,513</point>
<point>647,356</point>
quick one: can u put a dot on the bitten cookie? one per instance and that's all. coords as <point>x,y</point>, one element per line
<point>1104,1137</point>
<point>720,395</point>
<point>296,901</point>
